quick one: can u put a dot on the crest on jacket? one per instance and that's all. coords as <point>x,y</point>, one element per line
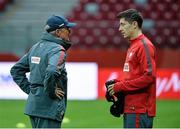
<point>126,67</point>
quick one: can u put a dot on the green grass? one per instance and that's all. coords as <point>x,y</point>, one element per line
<point>89,114</point>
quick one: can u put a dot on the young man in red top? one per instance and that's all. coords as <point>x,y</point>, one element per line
<point>139,82</point>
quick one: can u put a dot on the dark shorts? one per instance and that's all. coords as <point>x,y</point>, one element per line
<point>38,122</point>
<point>137,121</point>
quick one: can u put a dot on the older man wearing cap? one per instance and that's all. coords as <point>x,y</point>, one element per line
<point>47,86</point>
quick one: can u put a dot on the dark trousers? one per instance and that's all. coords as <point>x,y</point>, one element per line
<point>137,121</point>
<point>38,122</point>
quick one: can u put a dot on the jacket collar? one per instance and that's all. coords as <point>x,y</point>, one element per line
<point>49,37</point>
<point>137,38</point>
<point>133,41</point>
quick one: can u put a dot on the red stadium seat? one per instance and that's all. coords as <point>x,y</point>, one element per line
<point>101,29</point>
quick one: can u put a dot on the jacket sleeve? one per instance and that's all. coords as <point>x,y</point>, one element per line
<point>146,59</point>
<point>52,78</point>
<point>18,73</point>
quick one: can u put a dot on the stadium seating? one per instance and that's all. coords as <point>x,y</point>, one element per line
<point>4,3</point>
<point>98,26</point>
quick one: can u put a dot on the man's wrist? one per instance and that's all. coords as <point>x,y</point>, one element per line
<point>117,87</point>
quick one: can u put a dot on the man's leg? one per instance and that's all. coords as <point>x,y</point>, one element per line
<point>137,121</point>
<point>33,123</point>
<point>129,120</point>
<point>146,121</point>
<point>38,122</point>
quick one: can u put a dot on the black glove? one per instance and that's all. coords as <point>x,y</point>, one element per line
<point>114,110</point>
<point>110,82</point>
<point>117,107</point>
<point>108,97</point>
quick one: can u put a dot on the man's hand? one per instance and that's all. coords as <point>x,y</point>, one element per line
<point>59,93</point>
<point>110,89</point>
<point>110,97</point>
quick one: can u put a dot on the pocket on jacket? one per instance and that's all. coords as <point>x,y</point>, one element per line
<point>36,91</point>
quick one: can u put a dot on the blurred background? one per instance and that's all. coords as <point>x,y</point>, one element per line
<point>97,55</point>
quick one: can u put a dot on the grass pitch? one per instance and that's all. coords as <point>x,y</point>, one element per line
<point>89,114</point>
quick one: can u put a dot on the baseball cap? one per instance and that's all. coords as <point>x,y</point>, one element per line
<point>54,22</point>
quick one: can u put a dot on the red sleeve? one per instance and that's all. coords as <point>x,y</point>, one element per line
<point>146,58</point>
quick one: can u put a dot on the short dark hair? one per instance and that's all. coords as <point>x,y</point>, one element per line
<point>131,15</point>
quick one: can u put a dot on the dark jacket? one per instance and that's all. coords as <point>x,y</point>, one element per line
<point>46,63</point>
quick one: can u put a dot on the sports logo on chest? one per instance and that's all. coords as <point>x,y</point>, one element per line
<point>126,67</point>
<point>35,60</point>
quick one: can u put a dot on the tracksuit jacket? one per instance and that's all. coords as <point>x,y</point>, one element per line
<point>139,82</point>
<point>46,63</point>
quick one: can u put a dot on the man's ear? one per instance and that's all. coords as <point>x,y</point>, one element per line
<point>135,24</point>
<point>57,31</point>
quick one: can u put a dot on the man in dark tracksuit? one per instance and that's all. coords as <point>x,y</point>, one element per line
<point>139,81</point>
<point>47,86</point>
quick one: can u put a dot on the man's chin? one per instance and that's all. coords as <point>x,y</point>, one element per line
<point>125,36</point>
